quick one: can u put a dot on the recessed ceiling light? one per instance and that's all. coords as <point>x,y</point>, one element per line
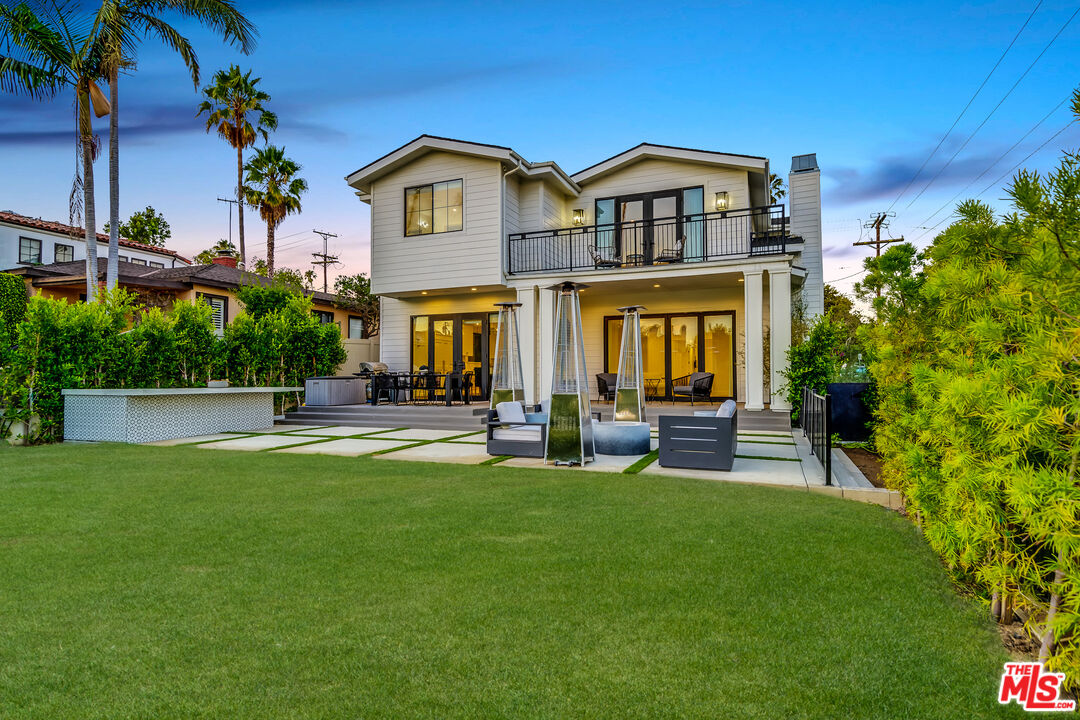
<point>473,289</point>
<point>656,284</point>
<point>423,292</point>
<point>740,279</point>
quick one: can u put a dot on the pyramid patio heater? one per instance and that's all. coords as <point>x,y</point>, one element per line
<point>508,381</point>
<point>570,430</point>
<point>630,385</point>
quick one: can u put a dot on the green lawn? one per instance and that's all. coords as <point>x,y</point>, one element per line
<point>178,582</point>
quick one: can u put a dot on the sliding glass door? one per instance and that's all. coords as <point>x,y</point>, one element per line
<point>461,341</point>
<point>676,345</point>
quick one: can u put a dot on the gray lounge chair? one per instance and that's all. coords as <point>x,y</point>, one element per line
<point>696,386</point>
<point>705,442</point>
<point>511,432</point>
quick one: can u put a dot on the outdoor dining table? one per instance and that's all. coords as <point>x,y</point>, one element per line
<point>406,384</point>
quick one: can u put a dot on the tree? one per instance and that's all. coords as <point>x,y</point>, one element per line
<point>122,24</point>
<point>233,99</point>
<point>271,185</point>
<point>354,292</point>
<point>777,188</point>
<point>207,256</point>
<point>148,227</point>
<point>46,49</point>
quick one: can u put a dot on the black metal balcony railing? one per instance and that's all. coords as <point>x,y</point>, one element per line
<point>687,238</point>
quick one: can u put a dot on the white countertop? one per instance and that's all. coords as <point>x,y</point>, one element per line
<point>177,391</point>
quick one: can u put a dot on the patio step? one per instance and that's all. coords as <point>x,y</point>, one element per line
<point>435,418</point>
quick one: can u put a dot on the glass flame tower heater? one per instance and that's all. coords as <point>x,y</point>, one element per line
<point>630,385</point>
<point>570,431</point>
<point>508,381</point>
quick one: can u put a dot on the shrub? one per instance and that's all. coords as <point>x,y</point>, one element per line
<point>812,363</point>
<point>12,303</point>
<point>975,356</point>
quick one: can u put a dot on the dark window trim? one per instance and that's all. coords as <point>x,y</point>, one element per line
<point>646,196</point>
<point>321,315</point>
<point>405,211</point>
<point>363,331</point>
<point>225,310</point>
<point>39,250</point>
<point>701,345</point>
<point>484,381</point>
<point>57,246</point>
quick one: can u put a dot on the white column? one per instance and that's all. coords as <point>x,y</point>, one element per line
<point>779,335</point>
<point>527,329</point>
<point>755,365</point>
<point>545,341</point>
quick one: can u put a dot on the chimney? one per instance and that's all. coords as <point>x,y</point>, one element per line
<point>804,187</point>
<point>226,258</point>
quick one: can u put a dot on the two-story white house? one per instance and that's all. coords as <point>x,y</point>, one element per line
<point>690,234</point>
<point>32,241</point>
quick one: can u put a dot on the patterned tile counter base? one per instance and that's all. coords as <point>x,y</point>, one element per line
<point>140,415</point>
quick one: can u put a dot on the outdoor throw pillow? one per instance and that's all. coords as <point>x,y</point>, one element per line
<point>727,409</point>
<point>510,412</point>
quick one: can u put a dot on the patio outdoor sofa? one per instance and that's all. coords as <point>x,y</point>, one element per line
<point>702,441</point>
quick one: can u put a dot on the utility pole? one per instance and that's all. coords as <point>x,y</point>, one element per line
<point>876,224</point>
<point>231,203</point>
<point>324,259</point>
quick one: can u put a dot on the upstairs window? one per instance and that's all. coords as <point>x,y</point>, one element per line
<point>433,208</point>
<point>30,251</point>
<point>63,253</point>
<point>156,264</point>
<point>137,261</point>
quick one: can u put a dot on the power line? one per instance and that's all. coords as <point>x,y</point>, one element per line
<point>847,276</point>
<point>1002,176</point>
<point>991,113</point>
<point>297,243</point>
<point>999,159</point>
<point>876,224</point>
<point>966,107</point>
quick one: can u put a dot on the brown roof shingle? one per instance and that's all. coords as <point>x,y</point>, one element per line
<point>57,227</point>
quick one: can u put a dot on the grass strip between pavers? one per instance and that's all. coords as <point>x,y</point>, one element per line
<point>203,442</point>
<point>767,442</point>
<point>766,457</point>
<point>642,463</point>
<point>311,441</point>
<point>495,460</point>
<point>416,444</point>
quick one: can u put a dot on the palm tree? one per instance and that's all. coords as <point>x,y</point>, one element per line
<point>776,188</point>
<point>232,97</point>
<point>45,49</point>
<point>122,23</point>
<point>273,188</point>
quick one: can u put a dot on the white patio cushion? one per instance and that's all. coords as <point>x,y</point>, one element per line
<point>521,433</point>
<point>727,409</point>
<point>510,412</point>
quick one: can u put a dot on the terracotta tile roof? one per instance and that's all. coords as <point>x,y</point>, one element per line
<point>53,226</point>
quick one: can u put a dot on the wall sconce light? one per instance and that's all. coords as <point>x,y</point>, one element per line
<point>721,201</point>
<point>579,216</point>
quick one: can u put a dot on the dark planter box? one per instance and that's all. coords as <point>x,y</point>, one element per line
<point>850,415</point>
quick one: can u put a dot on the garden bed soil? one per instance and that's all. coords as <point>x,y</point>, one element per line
<point>867,462</point>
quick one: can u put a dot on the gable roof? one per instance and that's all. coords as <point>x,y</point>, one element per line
<point>80,233</point>
<point>669,152</point>
<point>362,178</point>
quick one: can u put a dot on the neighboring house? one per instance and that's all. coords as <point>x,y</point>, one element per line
<point>31,241</point>
<point>458,226</point>
<point>216,284</point>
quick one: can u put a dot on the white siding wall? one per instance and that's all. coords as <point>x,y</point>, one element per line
<point>529,205</point>
<point>467,257</point>
<point>9,248</point>
<point>650,174</point>
<point>805,188</point>
<point>394,336</point>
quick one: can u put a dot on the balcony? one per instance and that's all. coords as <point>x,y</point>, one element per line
<point>659,241</point>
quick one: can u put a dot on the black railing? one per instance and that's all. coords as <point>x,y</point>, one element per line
<point>816,420</point>
<point>688,238</point>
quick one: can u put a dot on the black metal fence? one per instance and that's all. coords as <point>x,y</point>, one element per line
<point>688,238</point>
<point>816,420</point>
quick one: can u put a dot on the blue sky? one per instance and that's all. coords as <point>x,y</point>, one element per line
<point>871,88</point>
